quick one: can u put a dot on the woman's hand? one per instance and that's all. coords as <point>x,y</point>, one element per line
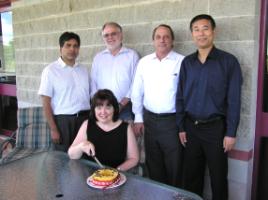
<point>88,148</point>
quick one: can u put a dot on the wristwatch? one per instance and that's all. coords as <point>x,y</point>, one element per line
<point>119,168</point>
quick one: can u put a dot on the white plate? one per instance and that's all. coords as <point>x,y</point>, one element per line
<point>122,180</point>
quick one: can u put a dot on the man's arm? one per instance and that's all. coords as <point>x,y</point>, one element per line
<point>123,103</point>
<point>93,78</point>
<point>233,105</point>
<point>180,113</point>
<point>134,64</point>
<point>180,104</point>
<point>55,135</point>
<point>137,101</point>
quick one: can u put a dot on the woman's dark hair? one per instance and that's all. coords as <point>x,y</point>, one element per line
<point>99,98</point>
<point>203,16</point>
<point>66,36</point>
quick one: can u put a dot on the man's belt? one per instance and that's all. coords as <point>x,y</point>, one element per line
<point>79,114</point>
<point>159,115</point>
<point>204,121</point>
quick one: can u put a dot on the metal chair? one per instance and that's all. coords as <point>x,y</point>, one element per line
<point>32,135</point>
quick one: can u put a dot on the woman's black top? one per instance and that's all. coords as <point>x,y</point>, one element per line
<point>110,146</point>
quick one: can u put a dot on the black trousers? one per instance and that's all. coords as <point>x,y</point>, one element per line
<point>68,127</point>
<point>205,146</point>
<point>162,149</point>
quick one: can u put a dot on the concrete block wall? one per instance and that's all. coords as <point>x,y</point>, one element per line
<point>38,24</point>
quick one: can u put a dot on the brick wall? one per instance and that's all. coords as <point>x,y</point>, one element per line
<point>38,24</point>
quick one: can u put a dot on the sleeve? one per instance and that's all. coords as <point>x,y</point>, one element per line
<point>180,109</point>
<point>133,71</point>
<point>137,94</point>
<point>46,87</point>
<point>233,98</point>
<point>93,78</point>
<point>89,82</point>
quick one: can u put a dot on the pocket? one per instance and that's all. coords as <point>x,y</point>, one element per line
<point>217,87</point>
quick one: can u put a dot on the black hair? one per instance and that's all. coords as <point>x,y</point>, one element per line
<point>66,36</point>
<point>203,16</point>
<point>166,26</point>
<point>99,98</point>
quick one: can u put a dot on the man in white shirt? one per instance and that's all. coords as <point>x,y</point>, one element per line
<point>153,97</point>
<point>65,92</point>
<point>114,68</point>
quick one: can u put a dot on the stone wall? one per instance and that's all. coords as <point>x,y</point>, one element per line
<point>38,24</point>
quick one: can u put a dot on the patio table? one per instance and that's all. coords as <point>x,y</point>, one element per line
<point>52,175</point>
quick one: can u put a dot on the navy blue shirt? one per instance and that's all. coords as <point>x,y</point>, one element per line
<point>210,89</point>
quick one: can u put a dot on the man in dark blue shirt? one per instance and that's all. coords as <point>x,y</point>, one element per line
<point>208,109</point>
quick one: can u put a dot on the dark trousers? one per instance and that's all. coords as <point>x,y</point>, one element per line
<point>68,127</point>
<point>162,149</point>
<point>205,146</point>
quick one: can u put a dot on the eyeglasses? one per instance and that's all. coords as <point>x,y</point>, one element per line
<point>113,34</point>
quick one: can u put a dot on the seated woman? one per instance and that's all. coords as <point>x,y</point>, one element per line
<point>104,135</point>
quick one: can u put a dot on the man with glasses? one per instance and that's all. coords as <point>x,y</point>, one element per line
<point>114,68</point>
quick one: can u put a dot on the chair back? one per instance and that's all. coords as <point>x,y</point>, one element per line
<point>33,130</point>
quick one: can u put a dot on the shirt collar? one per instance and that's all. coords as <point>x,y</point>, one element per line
<point>122,50</point>
<point>171,55</point>
<point>212,54</point>
<point>63,64</point>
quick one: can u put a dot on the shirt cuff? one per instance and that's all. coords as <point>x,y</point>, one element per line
<point>181,129</point>
<point>138,118</point>
<point>230,133</point>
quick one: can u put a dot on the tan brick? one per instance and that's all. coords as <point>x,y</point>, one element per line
<point>40,9</point>
<point>243,50</point>
<point>79,5</point>
<point>87,53</point>
<point>31,69</point>
<point>90,37</point>
<point>78,21</point>
<point>244,128</point>
<point>52,54</point>
<point>246,99</point>
<point>231,7</point>
<point>235,28</point>
<point>138,33</point>
<point>157,11</point>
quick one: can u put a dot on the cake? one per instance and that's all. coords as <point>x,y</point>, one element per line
<point>105,177</point>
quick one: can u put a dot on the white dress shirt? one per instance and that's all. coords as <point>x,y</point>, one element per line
<point>155,84</point>
<point>115,73</point>
<point>68,87</point>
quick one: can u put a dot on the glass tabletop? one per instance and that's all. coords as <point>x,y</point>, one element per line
<point>52,175</point>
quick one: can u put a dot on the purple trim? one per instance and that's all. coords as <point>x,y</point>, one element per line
<point>261,117</point>
<point>241,155</point>
<point>7,132</point>
<point>8,90</point>
<point>5,5</point>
